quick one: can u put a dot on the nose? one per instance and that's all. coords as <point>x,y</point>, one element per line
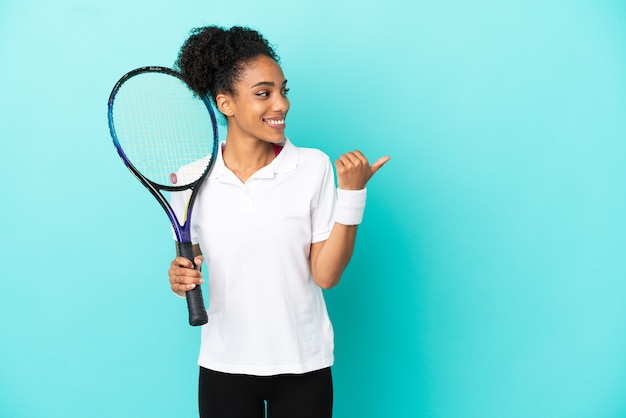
<point>281,104</point>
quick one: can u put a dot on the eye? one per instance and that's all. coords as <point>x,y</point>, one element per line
<point>263,93</point>
<point>285,92</point>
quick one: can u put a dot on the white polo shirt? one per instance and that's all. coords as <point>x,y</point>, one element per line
<point>266,315</point>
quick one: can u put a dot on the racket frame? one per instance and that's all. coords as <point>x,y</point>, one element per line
<point>182,231</point>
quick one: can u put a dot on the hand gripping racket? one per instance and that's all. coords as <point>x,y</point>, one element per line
<point>167,136</point>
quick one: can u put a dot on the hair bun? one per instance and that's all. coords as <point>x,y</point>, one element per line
<point>212,58</point>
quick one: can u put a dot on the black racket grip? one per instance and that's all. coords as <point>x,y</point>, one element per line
<point>195,301</point>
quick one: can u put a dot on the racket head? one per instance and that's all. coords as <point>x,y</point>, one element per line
<point>164,133</point>
<point>159,125</point>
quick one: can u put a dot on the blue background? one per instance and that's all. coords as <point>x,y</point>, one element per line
<point>489,279</point>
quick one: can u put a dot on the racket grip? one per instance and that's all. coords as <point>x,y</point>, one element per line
<point>195,301</point>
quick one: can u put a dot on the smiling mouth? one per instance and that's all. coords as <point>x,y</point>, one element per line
<point>276,123</point>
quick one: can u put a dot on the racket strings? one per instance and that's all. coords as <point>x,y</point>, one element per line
<point>164,130</point>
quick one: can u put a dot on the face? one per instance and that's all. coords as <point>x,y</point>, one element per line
<point>259,107</point>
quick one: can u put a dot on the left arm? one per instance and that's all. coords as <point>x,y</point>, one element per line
<point>329,258</point>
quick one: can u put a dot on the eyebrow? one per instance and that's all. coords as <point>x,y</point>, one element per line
<point>267,83</point>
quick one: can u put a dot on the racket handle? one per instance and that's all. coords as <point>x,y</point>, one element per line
<point>195,301</point>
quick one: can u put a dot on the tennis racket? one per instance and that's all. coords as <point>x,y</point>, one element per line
<point>167,136</point>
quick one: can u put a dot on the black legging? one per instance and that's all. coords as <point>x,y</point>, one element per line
<point>224,395</point>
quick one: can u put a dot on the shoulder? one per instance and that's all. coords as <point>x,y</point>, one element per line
<point>313,154</point>
<point>308,155</point>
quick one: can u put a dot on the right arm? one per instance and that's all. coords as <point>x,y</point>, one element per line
<point>183,277</point>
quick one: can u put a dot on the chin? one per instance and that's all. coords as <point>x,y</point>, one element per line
<point>277,140</point>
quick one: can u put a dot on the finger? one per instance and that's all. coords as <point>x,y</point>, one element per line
<point>182,262</point>
<point>379,163</point>
<point>188,272</point>
<point>185,279</point>
<point>184,287</point>
<point>346,161</point>
<point>184,275</point>
<point>355,158</point>
<point>358,154</point>
<point>340,165</point>
<point>198,260</point>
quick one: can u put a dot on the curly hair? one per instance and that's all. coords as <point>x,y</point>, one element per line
<point>213,58</point>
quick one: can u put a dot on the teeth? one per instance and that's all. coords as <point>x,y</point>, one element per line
<point>275,122</point>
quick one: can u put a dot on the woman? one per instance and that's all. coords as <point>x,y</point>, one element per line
<point>275,233</point>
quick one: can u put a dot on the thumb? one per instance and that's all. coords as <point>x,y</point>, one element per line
<point>379,163</point>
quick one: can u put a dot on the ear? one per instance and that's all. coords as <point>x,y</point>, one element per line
<point>225,104</point>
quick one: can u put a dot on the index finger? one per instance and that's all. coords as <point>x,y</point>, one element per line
<point>183,262</point>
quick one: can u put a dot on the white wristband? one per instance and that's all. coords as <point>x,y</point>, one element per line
<point>350,206</point>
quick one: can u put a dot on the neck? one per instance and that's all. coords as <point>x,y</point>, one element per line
<point>246,158</point>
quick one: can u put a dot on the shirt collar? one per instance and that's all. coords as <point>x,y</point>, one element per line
<point>284,162</point>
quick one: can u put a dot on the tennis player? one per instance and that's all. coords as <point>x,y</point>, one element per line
<point>275,231</point>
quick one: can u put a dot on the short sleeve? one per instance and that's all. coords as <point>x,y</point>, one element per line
<point>322,213</point>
